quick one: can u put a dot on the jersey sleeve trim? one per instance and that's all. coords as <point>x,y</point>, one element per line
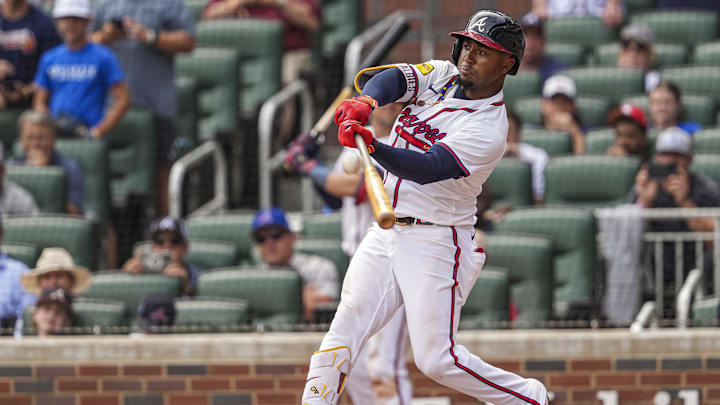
<point>366,74</point>
<point>457,159</point>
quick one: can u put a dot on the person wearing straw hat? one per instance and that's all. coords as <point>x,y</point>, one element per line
<point>56,268</point>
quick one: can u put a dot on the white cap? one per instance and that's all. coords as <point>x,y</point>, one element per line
<point>72,8</point>
<point>559,84</point>
<point>674,140</point>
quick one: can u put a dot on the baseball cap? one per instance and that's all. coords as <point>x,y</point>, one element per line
<point>531,22</point>
<point>270,217</point>
<point>155,311</point>
<point>72,8</point>
<point>168,224</point>
<point>57,296</point>
<point>632,113</point>
<point>638,33</point>
<point>674,140</point>
<point>559,84</point>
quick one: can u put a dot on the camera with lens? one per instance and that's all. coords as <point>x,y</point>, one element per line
<point>154,261</point>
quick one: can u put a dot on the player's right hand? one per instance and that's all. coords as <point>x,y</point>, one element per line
<point>355,109</point>
<point>347,131</point>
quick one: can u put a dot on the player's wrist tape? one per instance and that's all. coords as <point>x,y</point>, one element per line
<point>367,100</point>
<point>319,174</point>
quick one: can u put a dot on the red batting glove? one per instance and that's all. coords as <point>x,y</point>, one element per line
<point>355,109</point>
<point>347,131</point>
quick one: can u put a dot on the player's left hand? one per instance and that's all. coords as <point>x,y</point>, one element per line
<point>347,131</point>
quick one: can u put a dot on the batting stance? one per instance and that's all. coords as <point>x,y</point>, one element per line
<point>446,143</point>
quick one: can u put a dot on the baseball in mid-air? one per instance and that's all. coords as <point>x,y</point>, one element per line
<point>351,163</point>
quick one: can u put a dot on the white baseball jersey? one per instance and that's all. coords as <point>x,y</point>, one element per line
<point>473,131</point>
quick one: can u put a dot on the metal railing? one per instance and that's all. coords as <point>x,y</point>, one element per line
<point>179,170</point>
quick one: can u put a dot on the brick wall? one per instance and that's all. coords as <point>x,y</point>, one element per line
<point>260,369</point>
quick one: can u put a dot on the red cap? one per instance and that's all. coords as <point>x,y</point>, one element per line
<point>633,113</point>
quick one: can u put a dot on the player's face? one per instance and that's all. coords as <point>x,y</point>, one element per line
<point>275,245</point>
<point>480,66</point>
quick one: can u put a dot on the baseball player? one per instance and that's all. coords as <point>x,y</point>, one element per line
<point>446,143</point>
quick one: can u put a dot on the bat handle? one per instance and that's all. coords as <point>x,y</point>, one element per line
<point>379,201</point>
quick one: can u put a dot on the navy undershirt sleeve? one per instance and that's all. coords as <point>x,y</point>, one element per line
<point>436,164</point>
<point>386,87</point>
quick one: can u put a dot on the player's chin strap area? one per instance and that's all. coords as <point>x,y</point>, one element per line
<point>326,378</point>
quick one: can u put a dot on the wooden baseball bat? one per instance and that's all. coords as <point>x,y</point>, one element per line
<point>379,201</point>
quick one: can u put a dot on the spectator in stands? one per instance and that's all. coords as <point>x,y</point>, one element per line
<point>711,5</point>
<point>636,52</point>
<point>631,137</point>
<point>611,11</point>
<point>536,157</point>
<point>535,58</point>
<point>25,34</point>
<point>559,111</point>
<point>37,137</point>
<point>13,298</point>
<point>146,36</point>
<point>53,312</point>
<point>300,18</point>
<point>56,268</point>
<point>666,109</point>
<point>165,254</point>
<point>74,79</point>
<point>276,247</point>
<point>14,200</point>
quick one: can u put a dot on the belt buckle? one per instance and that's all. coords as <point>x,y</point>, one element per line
<point>403,223</point>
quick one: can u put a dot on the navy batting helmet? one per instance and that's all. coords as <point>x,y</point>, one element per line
<point>495,30</point>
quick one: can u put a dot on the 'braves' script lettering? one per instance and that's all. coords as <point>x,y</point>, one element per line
<point>419,127</point>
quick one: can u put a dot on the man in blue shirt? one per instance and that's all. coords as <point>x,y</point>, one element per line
<point>74,78</point>
<point>13,298</point>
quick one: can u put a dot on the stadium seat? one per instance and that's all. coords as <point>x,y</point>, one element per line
<point>210,254</point>
<point>131,289</point>
<point>489,300</point>
<point>259,44</point>
<point>341,22</point>
<point>704,80</point>
<point>274,295</point>
<point>529,110</point>
<point>707,141</point>
<point>665,54</point>
<point>598,141</point>
<point>322,225</point>
<point>572,231</point>
<point>76,234</point>
<point>328,248</point>
<point>196,7</point>
<point>510,183</point>
<point>592,181</point>
<point>606,81</point>
<point>592,110</point>
<point>220,313</point>
<point>707,54</point>
<point>89,312</point>
<point>586,31</point>
<point>9,130</point>
<point>27,253</point>
<point>215,71</point>
<point>636,6</point>
<point>553,142</point>
<point>705,310</point>
<point>46,184</point>
<point>530,274</point>
<point>707,164</point>
<point>186,88</point>
<point>524,84</point>
<point>700,109</point>
<point>680,26</point>
<point>233,228</point>
<point>91,155</point>
<point>569,53</point>
<point>131,145</point>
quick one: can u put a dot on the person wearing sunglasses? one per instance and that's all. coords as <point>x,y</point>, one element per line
<point>165,253</point>
<point>275,244</point>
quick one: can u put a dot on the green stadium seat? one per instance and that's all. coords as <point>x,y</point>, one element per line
<point>680,26</point>
<point>606,81</point>
<point>233,228</point>
<point>196,7</point>
<point>9,130</point>
<point>76,234</point>
<point>209,254</point>
<point>92,157</point>
<point>510,183</point>
<point>488,301</point>
<point>186,88</point>
<point>572,231</point>
<point>274,295</point>
<point>635,6</point>
<point>700,109</point>
<point>259,44</point>
<point>322,225</point>
<point>592,110</point>
<point>328,248</point>
<point>598,141</point>
<point>707,164</point>
<point>46,184</point>
<point>705,311</point>
<point>341,22</point>
<point>707,141</point>
<point>703,80</point>
<point>215,71</point>
<point>220,313</point>
<point>524,84</point>
<point>27,253</point>
<point>553,142</point>
<point>131,289</point>
<point>592,181</point>
<point>665,54</point>
<point>132,156</point>
<point>98,312</point>
<point>586,31</point>
<point>530,274</point>
<point>707,54</point>
<point>569,53</point>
